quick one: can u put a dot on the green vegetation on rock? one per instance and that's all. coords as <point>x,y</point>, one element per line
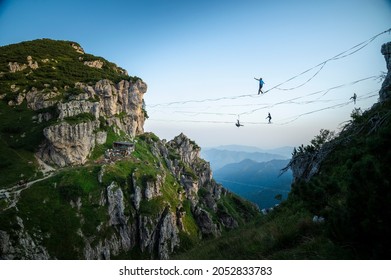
<point>59,64</point>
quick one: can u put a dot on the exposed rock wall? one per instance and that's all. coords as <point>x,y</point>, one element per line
<point>196,174</point>
<point>159,235</point>
<point>186,148</point>
<point>120,105</point>
<point>305,165</point>
<point>24,246</point>
<point>94,64</point>
<point>77,107</point>
<point>116,105</point>
<point>168,238</point>
<point>153,188</point>
<point>15,66</point>
<point>385,91</point>
<point>69,144</point>
<point>77,48</point>
<point>37,100</point>
<point>156,235</point>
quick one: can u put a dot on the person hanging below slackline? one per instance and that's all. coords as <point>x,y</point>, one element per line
<point>261,83</point>
<point>354,97</point>
<point>269,117</point>
<point>238,123</point>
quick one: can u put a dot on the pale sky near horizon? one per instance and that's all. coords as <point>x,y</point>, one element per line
<point>198,50</point>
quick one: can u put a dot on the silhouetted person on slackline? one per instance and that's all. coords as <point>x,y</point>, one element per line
<point>261,83</point>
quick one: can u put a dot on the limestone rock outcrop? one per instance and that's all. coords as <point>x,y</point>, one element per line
<point>77,107</point>
<point>94,64</point>
<point>119,105</point>
<point>115,198</point>
<point>77,48</point>
<point>305,165</point>
<point>168,235</point>
<point>37,100</point>
<point>187,149</point>
<point>15,66</point>
<point>194,175</point>
<point>68,144</point>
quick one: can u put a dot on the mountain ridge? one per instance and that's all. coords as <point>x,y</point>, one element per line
<point>219,158</point>
<point>259,182</point>
<point>284,151</point>
<point>111,191</point>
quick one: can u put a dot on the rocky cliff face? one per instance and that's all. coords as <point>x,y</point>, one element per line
<point>195,178</point>
<point>118,106</point>
<point>68,144</point>
<point>71,139</point>
<point>77,95</point>
<point>306,164</point>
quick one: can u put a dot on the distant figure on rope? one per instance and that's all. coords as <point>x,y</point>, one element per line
<point>261,83</point>
<point>238,124</point>
<point>269,117</point>
<point>354,97</point>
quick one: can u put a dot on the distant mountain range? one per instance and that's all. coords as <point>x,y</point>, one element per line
<point>251,172</point>
<point>284,151</point>
<point>223,155</point>
<point>258,182</point>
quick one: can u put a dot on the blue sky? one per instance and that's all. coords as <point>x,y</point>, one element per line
<point>196,50</point>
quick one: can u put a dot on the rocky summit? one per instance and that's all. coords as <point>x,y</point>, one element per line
<point>80,178</point>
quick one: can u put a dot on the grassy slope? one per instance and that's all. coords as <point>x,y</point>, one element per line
<point>46,208</point>
<point>287,233</point>
<point>63,68</point>
<point>352,192</point>
<point>19,137</point>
